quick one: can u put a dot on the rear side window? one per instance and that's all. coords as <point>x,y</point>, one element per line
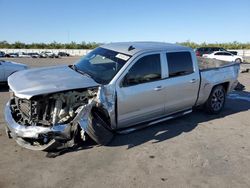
<point>228,54</point>
<point>146,69</point>
<point>179,63</point>
<point>223,53</point>
<point>219,53</point>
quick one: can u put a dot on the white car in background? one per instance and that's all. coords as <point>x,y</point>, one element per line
<point>7,68</point>
<point>224,56</point>
<point>48,54</point>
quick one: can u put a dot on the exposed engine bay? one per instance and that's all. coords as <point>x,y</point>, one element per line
<point>49,110</point>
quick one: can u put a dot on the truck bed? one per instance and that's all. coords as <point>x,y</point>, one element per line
<point>214,72</point>
<point>208,64</point>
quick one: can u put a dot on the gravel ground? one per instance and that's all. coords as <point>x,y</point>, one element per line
<point>197,150</point>
<point>247,59</point>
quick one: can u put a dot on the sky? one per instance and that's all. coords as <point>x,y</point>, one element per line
<point>125,20</point>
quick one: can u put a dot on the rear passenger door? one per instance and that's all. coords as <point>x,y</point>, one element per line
<point>182,84</point>
<point>219,56</point>
<point>228,56</point>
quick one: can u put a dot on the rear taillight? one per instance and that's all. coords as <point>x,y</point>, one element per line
<point>198,53</point>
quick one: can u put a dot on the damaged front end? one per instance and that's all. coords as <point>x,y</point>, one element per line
<point>43,122</point>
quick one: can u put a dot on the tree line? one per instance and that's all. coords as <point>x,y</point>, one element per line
<point>52,45</point>
<point>91,45</point>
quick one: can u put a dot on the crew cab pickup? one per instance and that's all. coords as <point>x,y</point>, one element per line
<point>116,88</point>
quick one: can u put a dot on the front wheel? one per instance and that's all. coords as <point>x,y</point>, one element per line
<point>216,100</point>
<point>97,129</point>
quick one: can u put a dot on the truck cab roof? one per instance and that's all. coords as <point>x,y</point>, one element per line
<point>132,48</point>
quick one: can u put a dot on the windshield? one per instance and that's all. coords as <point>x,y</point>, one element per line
<point>102,64</point>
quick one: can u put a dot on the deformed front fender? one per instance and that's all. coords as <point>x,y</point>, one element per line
<point>106,98</point>
<point>92,123</point>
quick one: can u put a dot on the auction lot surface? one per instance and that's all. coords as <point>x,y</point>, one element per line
<point>197,150</point>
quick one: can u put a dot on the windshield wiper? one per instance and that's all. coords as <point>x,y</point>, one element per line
<point>74,67</point>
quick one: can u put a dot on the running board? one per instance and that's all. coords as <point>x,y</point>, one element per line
<point>144,125</point>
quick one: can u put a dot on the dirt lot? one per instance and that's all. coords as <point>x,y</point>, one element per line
<point>197,150</point>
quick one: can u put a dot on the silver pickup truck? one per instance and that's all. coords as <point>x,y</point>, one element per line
<point>116,88</point>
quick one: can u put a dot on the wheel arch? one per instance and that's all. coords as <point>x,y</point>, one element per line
<point>225,85</point>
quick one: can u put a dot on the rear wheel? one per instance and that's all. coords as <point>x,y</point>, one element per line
<point>216,100</point>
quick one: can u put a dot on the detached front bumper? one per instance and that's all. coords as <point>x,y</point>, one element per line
<point>20,132</point>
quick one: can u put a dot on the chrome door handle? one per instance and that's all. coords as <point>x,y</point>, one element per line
<point>193,81</point>
<point>158,88</point>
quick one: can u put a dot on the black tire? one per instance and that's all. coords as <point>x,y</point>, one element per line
<point>238,60</point>
<point>97,129</point>
<point>216,100</point>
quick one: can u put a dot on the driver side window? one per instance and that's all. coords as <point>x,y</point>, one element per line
<point>146,69</point>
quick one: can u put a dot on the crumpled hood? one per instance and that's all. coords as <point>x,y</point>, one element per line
<point>29,83</point>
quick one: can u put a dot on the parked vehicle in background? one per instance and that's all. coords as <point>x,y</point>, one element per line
<point>208,50</point>
<point>63,54</point>
<point>13,55</point>
<point>34,55</point>
<point>114,87</point>
<point>7,68</point>
<point>224,56</point>
<point>2,54</point>
<point>23,54</point>
<point>46,54</point>
<point>43,55</point>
